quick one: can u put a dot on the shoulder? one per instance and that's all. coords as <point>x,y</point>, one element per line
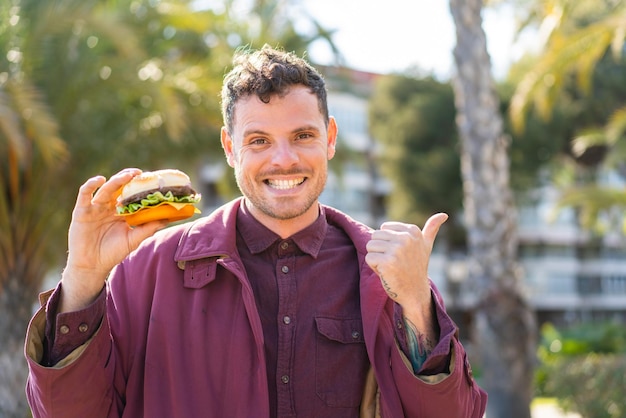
<point>358,232</point>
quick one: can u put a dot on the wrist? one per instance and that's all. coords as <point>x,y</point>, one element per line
<point>422,316</point>
<point>419,310</point>
<point>79,288</point>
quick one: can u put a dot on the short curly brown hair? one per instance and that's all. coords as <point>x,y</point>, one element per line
<point>268,72</point>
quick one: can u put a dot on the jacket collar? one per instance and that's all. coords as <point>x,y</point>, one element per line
<point>201,240</point>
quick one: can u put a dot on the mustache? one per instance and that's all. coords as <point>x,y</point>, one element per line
<point>299,171</point>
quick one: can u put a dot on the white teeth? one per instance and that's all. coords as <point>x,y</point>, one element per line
<point>285,184</point>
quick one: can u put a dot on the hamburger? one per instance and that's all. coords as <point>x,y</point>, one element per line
<point>157,195</point>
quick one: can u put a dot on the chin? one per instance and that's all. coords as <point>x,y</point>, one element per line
<point>285,208</point>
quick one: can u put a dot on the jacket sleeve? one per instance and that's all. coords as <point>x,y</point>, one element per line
<point>453,395</point>
<point>444,386</point>
<point>67,331</point>
<point>59,390</point>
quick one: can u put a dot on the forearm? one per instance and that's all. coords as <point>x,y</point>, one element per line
<point>422,334</point>
<point>79,289</point>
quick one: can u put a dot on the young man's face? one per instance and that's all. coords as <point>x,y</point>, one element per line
<point>280,152</point>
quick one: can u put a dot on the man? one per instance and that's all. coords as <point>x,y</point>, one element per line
<point>272,306</point>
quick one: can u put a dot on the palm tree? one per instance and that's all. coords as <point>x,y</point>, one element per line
<point>579,36</point>
<point>505,328</point>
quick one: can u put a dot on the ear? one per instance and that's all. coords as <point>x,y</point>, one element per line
<point>332,137</point>
<point>227,145</point>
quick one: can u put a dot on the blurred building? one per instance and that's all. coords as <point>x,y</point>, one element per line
<point>570,275</point>
<point>354,184</point>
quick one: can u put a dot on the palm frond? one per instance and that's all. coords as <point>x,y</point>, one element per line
<point>574,53</point>
<point>180,16</point>
<point>40,127</point>
<point>10,127</point>
<point>591,201</point>
<point>617,44</point>
<point>616,127</point>
<point>81,20</point>
<point>173,112</point>
<point>587,139</point>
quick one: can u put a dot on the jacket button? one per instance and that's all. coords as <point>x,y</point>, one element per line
<point>64,329</point>
<point>355,335</point>
<point>285,269</point>
<point>286,320</point>
<point>83,327</point>
<point>284,378</point>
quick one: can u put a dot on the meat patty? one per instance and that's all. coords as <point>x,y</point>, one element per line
<point>176,191</point>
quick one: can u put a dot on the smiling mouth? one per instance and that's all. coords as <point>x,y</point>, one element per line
<point>285,184</point>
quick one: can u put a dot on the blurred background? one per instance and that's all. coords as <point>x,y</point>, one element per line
<point>510,116</point>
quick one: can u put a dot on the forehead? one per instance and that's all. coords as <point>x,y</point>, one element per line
<point>298,105</point>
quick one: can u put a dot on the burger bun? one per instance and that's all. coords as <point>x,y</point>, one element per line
<point>154,180</point>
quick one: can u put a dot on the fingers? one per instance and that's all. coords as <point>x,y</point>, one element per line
<point>389,243</point>
<point>141,232</point>
<point>99,193</point>
<point>86,191</point>
<point>110,190</point>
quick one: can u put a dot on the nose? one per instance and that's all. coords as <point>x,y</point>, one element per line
<point>284,154</point>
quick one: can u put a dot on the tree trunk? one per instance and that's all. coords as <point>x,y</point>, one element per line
<point>505,326</point>
<point>16,302</point>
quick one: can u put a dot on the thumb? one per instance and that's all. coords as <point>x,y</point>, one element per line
<point>141,232</point>
<point>431,228</point>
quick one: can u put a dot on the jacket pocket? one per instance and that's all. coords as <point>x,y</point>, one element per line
<point>341,361</point>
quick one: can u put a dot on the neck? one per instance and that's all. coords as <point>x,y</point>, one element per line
<point>284,228</point>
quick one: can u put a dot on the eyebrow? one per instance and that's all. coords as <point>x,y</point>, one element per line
<point>307,128</point>
<point>254,132</point>
<point>294,131</point>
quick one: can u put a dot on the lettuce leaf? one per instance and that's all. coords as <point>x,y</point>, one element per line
<point>156,198</point>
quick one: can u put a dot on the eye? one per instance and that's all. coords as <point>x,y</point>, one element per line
<point>258,141</point>
<point>304,135</point>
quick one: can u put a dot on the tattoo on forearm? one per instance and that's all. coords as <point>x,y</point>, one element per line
<point>392,295</point>
<point>420,346</point>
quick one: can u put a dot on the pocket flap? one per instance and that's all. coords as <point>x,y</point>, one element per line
<point>343,330</point>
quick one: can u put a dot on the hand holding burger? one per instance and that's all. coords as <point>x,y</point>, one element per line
<point>157,195</point>
<point>97,240</point>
